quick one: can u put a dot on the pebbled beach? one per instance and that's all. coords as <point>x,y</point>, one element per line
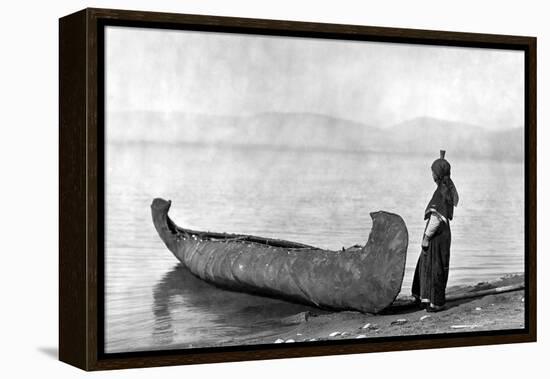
<point>490,312</point>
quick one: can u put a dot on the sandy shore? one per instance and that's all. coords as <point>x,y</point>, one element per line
<point>491,312</point>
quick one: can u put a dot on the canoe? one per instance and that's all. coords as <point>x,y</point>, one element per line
<point>362,278</point>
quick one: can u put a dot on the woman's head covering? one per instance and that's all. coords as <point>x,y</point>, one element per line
<point>445,196</point>
<point>441,167</point>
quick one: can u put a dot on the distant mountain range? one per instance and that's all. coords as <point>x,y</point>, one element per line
<point>308,131</point>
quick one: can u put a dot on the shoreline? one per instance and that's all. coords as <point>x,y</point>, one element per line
<point>497,311</point>
<point>265,320</point>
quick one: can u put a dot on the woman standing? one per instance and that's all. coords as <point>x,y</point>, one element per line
<point>432,269</point>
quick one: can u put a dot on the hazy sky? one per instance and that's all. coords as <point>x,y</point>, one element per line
<point>375,83</point>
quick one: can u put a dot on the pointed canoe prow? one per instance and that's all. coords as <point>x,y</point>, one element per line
<point>366,279</point>
<point>165,227</point>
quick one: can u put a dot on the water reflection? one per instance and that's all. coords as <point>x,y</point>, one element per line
<point>191,312</point>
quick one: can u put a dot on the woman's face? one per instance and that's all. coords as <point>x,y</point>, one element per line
<point>434,176</point>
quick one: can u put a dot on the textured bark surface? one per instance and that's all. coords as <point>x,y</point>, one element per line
<point>366,279</point>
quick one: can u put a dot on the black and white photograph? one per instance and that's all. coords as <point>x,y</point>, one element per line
<point>264,189</point>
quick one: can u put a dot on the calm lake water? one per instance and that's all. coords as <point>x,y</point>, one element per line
<point>315,197</point>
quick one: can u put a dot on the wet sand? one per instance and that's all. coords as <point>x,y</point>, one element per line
<point>491,312</point>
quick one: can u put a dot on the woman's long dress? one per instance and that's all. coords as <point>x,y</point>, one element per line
<point>432,270</point>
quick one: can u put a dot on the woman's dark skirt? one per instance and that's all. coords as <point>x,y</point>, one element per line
<point>432,269</point>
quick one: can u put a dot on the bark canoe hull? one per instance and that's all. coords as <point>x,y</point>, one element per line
<point>365,279</point>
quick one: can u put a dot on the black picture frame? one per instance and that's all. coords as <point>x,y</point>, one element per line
<point>81,198</point>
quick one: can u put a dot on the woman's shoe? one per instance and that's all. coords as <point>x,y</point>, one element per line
<point>435,308</point>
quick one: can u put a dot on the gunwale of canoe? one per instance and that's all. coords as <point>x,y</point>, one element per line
<point>366,279</point>
<point>230,237</point>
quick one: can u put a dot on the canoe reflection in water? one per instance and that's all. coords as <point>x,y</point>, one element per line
<point>190,312</point>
